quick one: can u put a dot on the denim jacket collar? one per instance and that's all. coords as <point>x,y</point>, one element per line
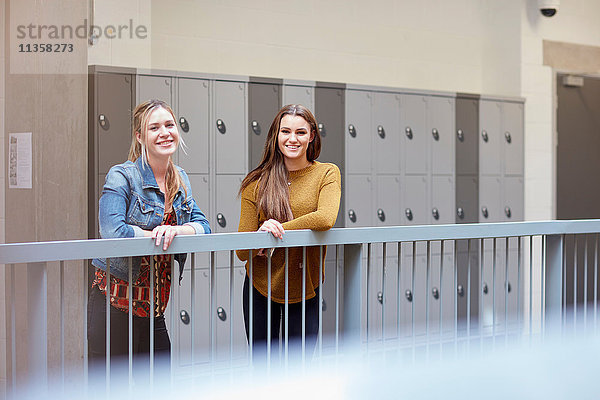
<point>148,180</point>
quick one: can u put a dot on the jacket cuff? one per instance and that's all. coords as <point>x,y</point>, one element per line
<point>198,228</point>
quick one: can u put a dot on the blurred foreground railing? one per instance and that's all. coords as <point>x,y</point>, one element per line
<point>405,291</point>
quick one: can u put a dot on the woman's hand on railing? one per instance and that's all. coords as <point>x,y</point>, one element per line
<point>169,232</point>
<point>276,230</point>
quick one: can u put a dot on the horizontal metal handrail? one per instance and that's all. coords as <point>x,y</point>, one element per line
<point>107,248</point>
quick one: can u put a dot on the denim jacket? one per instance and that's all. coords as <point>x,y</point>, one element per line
<point>131,202</point>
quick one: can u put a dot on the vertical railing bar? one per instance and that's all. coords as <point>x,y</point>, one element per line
<point>543,285</point>
<point>519,251</point>
<point>468,292</point>
<point>564,283</point>
<point>480,297</point>
<point>152,314</point>
<point>107,301</point>
<point>368,286</point>
<point>231,306</point>
<point>337,300</point>
<point>192,309</point>
<point>320,301</point>
<point>85,328</point>
<point>585,280</point>
<point>62,325</point>
<point>494,251</point>
<point>250,308</point>
<point>596,283</point>
<point>412,303</point>
<point>506,292</point>
<point>441,326</point>
<point>13,332</point>
<point>212,312</point>
<point>455,296</point>
<point>427,290</point>
<point>130,323</point>
<point>384,254</point>
<point>286,306</point>
<point>303,305</point>
<point>575,267</point>
<point>269,310</point>
<point>399,291</point>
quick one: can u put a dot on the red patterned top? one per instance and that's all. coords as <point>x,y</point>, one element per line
<point>119,297</point>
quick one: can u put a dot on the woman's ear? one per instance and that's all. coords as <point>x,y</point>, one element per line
<point>312,136</point>
<point>138,136</point>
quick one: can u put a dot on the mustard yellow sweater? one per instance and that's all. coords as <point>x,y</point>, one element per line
<point>315,199</point>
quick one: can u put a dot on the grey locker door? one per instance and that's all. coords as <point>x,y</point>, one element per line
<point>264,101</point>
<point>467,283</point>
<point>229,125</point>
<point>490,147</point>
<point>442,200</point>
<point>513,209</point>
<point>114,96</point>
<point>492,272</point>
<point>201,194</point>
<point>358,132</point>
<point>359,204</point>
<point>512,116</point>
<point>467,137</point>
<point>440,131</point>
<point>390,292</point>
<point>230,313</point>
<point>155,87</point>
<point>415,200</point>
<point>227,216</point>
<point>194,124</point>
<point>386,131</point>
<point>490,199</point>
<point>299,95</point>
<point>413,123</point>
<point>329,300</point>
<point>387,210</point>
<point>467,199</point>
<point>370,299</point>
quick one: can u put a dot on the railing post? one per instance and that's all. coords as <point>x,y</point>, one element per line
<point>553,277</point>
<point>352,314</point>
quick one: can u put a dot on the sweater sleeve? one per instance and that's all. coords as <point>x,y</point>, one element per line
<point>248,216</point>
<point>328,204</point>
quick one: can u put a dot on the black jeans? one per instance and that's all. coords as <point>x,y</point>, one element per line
<point>119,343</point>
<point>259,327</point>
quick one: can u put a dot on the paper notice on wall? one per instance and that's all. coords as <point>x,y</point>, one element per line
<point>19,160</point>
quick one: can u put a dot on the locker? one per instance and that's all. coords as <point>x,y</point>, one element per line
<point>228,313</point>
<point>358,132</point>
<point>304,95</point>
<point>442,196</point>
<point>194,125</point>
<point>467,199</point>
<point>114,97</point>
<point>493,280</point>
<point>359,204</point>
<point>155,87</point>
<point>467,137</point>
<point>440,131</point>
<point>227,217</point>
<point>408,294</point>
<point>415,200</point>
<point>467,283</point>
<point>201,193</point>
<point>413,120</point>
<point>490,198</point>
<point>386,131</point>
<point>329,300</point>
<point>490,147</point>
<point>513,209</point>
<point>387,207</point>
<point>264,101</point>
<point>513,138</point>
<point>390,294</point>
<point>229,125</point>
<point>370,300</point>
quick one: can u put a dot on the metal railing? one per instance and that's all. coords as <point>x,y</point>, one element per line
<point>406,290</point>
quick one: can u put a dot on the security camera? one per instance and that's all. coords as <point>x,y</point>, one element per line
<point>548,8</point>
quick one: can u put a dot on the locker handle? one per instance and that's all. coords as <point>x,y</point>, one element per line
<point>485,288</point>
<point>185,317</point>
<point>352,130</point>
<point>436,214</point>
<point>221,126</point>
<point>485,136</point>
<point>409,214</point>
<point>103,121</point>
<point>507,212</point>
<point>409,132</point>
<point>322,129</point>
<point>323,305</point>
<point>380,297</point>
<point>460,290</point>
<point>221,220</point>
<point>256,128</point>
<point>460,213</point>
<point>352,215</point>
<point>460,134</point>
<point>508,137</point>
<point>435,293</point>
<point>221,314</point>
<point>484,212</point>
<point>381,215</point>
<point>184,124</point>
<point>508,287</point>
<point>381,132</point>
<point>408,295</point>
<point>436,134</point>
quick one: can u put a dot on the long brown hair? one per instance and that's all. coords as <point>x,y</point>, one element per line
<point>141,115</point>
<point>272,175</point>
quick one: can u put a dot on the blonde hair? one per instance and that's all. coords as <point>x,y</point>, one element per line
<point>141,115</point>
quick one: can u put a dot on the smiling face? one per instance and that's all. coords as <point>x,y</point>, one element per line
<point>162,136</point>
<point>293,139</point>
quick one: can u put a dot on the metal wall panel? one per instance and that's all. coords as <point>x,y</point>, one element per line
<point>264,101</point>
<point>229,125</point>
<point>442,200</point>
<point>386,131</point>
<point>359,204</point>
<point>192,111</point>
<point>440,131</point>
<point>467,136</point>
<point>513,209</point>
<point>467,199</point>
<point>358,132</point>
<point>490,199</point>
<point>490,147</point>
<point>413,122</point>
<point>415,200</point>
<point>513,139</point>
<point>388,209</point>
